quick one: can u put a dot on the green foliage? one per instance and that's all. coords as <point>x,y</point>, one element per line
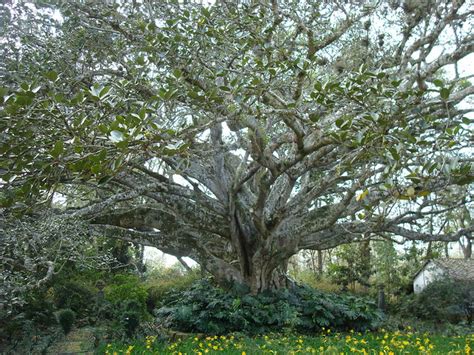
<point>340,311</point>
<point>130,315</point>
<point>126,288</point>
<point>130,320</point>
<point>38,308</point>
<point>66,318</point>
<point>323,283</point>
<point>209,309</point>
<point>387,269</point>
<point>353,265</point>
<point>75,295</point>
<point>165,282</point>
<point>441,301</point>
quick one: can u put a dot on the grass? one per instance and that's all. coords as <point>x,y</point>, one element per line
<point>386,343</point>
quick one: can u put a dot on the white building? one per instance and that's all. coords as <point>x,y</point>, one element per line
<point>435,269</point>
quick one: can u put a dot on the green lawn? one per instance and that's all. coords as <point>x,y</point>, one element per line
<point>328,343</point>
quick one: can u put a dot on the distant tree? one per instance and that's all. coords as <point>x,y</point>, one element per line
<point>237,133</point>
<point>387,266</point>
<point>352,265</point>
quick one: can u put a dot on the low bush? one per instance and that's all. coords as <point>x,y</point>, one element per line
<point>126,288</point>
<point>66,318</point>
<point>75,295</point>
<point>209,309</point>
<point>441,301</point>
<point>125,305</point>
<point>321,283</point>
<point>160,286</point>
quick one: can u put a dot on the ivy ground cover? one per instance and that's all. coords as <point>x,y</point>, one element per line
<point>380,343</point>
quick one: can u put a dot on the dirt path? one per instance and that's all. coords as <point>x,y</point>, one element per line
<point>78,341</point>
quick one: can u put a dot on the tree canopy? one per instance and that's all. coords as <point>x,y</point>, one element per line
<point>239,133</point>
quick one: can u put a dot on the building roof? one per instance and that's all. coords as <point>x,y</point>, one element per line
<point>458,269</point>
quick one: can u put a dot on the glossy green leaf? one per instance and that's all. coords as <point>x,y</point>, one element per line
<point>51,75</point>
<point>444,93</point>
<point>57,149</point>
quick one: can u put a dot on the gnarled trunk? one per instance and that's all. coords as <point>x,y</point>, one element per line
<point>262,273</point>
<point>267,274</point>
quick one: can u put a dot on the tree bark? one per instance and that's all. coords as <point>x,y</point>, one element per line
<point>320,262</point>
<point>263,273</point>
<point>267,274</point>
<point>466,248</point>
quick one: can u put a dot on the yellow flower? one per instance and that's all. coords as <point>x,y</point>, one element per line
<point>244,353</point>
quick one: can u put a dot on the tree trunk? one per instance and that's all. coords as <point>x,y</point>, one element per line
<point>365,263</point>
<point>466,248</point>
<point>429,251</point>
<point>265,277</point>
<point>320,263</point>
<point>263,271</point>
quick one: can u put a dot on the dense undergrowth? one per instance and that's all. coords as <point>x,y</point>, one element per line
<point>127,309</point>
<point>206,308</point>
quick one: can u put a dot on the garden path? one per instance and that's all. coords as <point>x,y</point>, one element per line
<point>78,341</point>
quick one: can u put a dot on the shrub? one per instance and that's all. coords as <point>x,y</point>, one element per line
<point>130,321</point>
<point>322,283</point>
<point>167,282</point>
<point>38,308</point>
<point>75,295</point>
<point>66,318</point>
<point>209,309</point>
<point>126,288</point>
<point>127,296</point>
<point>441,301</point>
